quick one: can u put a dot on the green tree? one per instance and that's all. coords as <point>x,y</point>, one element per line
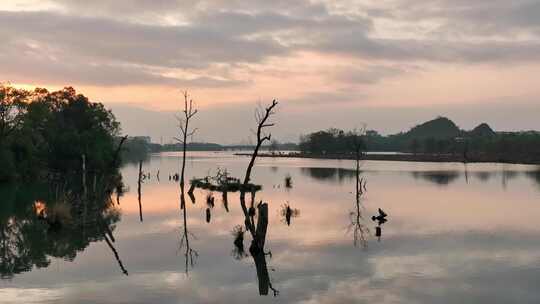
<point>42,131</point>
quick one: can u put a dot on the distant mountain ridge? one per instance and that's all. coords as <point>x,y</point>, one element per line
<point>439,128</point>
<point>482,130</point>
<point>444,128</point>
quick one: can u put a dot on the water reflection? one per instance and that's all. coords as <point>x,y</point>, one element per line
<point>37,223</point>
<point>238,251</point>
<point>337,175</point>
<point>535,176</point>
<point>439,177</point>
<point>484,176</point>
<point>258,230</point>
<point>287,213</point>
<point>288,182</point>
<point>428,237</point>
<point>190,254</point>
<point>442,178</point>
<point>225,200</point>
<point>359,229</point>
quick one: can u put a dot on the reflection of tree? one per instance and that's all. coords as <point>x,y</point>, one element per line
<point>185,132</point>
<point>443,178</point>
<point>357,221</point>
<point>288,182</point>
<point>28,239</point>
<point>483,176</point>
<point>534,175</point>
<point>238,251</point>
<point>329,174</point>
<point>257,231</point>
<point>507,175</point>
<point>190,254</point>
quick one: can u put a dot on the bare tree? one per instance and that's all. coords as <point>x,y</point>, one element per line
<point>357,144</point>
<point>184,119</point>
<point>183,124</point>
<point>261,117</point>
<point>258,230</point>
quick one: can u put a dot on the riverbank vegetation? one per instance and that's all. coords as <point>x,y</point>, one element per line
<point>438,139</point>
<point>44,133</point>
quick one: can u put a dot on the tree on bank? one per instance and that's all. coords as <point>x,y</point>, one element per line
<point>43,133</point>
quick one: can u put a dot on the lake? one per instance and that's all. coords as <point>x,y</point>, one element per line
<point>454,233</point>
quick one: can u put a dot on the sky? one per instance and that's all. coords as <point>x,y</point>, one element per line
<point>388,64</point>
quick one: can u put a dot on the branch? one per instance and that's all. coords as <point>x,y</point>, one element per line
<point>191,114</point>
<point>268,137</point>
<point>192,132</point>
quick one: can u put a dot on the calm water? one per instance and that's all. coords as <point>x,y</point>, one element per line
<point>454,234</point>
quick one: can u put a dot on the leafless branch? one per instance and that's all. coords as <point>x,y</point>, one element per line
<point>261,117</point>
<point>183,125</point>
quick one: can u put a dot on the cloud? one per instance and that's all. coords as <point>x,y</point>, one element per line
<point>325,51</point>
<point>371,74</point>
<point>464,18</point>
<point>105,39</point>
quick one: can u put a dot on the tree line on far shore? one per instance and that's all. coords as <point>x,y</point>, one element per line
<point>438,136</point>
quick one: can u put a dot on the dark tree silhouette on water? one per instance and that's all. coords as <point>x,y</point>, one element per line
<point>184,120</point>
<point>183,124</point>
<point>261,117</point>
<point>287,213</point>
<point>258,230</point>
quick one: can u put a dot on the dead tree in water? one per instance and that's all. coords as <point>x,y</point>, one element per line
<point>257,251</point>
<point>258,239</point>
<point>258,232</point>
<point>357,144</point>
<point>183,125</point>
<point>261,116</point>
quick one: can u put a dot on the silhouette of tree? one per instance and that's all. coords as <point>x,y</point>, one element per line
<point>185,132</point>
<point>261,117</point>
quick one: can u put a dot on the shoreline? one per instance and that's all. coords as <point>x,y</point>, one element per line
<point>430,158</point>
